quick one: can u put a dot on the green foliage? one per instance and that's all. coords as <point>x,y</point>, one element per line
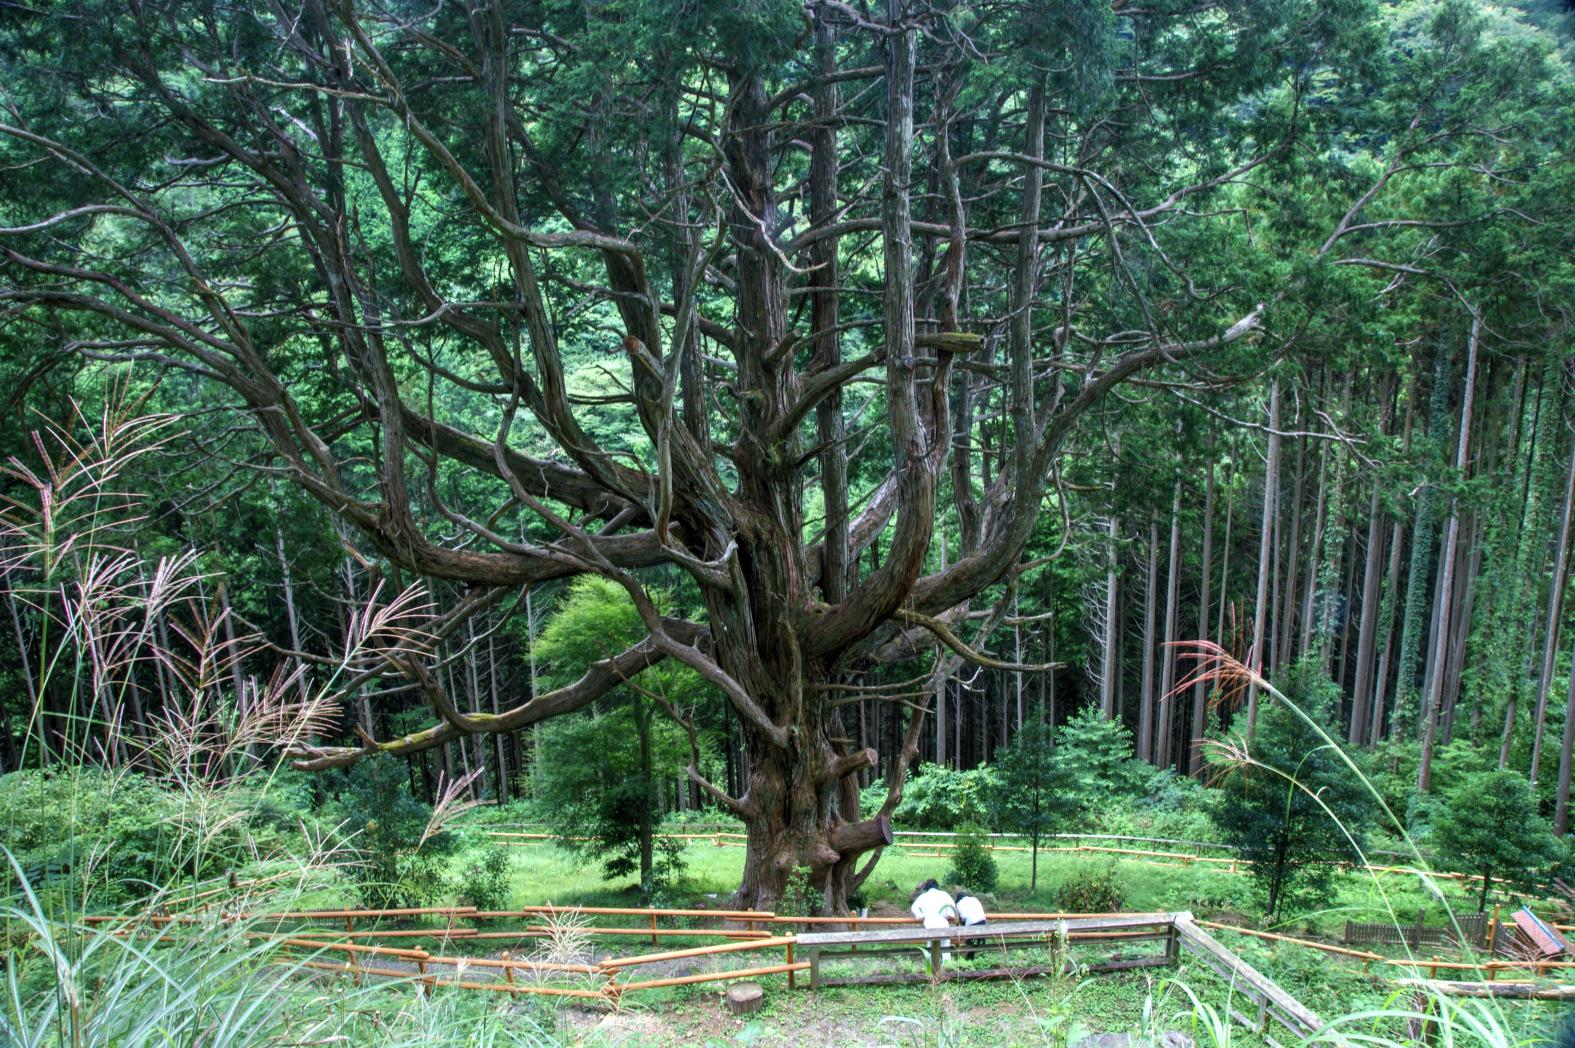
<point>1096,889</point>
<point>1293,807</point>
<point>973,867</point>
<point>599,789</point>
<point>80,832</point>
<point>800,897</point>
<point>483,882</point>
<point>392,866</point>
<point>940,798</point>
<point>595,789</point>
<point>1031,793</point>
<point>1488,825</point>
<point>1097,755</point>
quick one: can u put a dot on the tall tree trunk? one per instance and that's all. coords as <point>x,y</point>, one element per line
<point>1265,552</point>
<point>1282,648</point>
<point>1367,632</point>
<point>1108,670</point>
<point>502,741</point>
<point>1167,676</point>
<point>1432,702</point>
<point>1554,621</point>
<point>1465,600</point>
<point>1145,738</point>
<point>1561,809</point>
<point>1412,622</point>
<point>1200,691</point>
<point>1386,626</point>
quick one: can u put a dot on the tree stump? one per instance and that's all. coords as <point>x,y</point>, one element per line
<point>744,998</point>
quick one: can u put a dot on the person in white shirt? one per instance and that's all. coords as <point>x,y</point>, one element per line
<point>969,909</point>
<point>935,909</point>
<point>932,901</point>
<point>971,912</point>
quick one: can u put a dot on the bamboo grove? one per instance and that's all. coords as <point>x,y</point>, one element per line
<point>907,370</point>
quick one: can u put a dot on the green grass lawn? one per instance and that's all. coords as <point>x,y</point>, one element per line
<point>546,874</point>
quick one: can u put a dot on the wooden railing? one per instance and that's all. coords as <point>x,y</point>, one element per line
<point>313,943</point>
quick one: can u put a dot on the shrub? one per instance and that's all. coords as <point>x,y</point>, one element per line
<point>1296,805</point>
<point>118,836</point>
<point>800,897</point>
<point>1488,826</point>
<point>973,866</point>
<point>1093,890</point>
<point>484,881</point>
<point>938,798</point>
<point>1097,752</point>
<point>394,868</point>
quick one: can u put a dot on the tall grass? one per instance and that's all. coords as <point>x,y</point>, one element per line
<point>119,637</point>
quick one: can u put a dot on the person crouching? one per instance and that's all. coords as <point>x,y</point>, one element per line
<point>935,909</point>
<point>970,911</point>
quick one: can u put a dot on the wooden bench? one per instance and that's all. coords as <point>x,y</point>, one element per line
<point>1003,935</point>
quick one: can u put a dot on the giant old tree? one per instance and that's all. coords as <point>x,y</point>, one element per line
<point>845,268</point>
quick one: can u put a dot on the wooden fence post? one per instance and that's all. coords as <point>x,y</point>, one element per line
<point>792,982</point>
<point>656,940</point>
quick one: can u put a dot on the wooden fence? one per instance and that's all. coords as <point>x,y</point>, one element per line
<point>1467,930</point>
<point>330,941</point>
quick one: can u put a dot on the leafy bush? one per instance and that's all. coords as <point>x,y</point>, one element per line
<point>1176,806</point>
<point>483,882</point>
<point>394,867</point>
<point>973,866</point>
<point>1296,805</point>
<point>1488,826</point>
<point>1096,889</point>
<point>939,798</point>
<point>1097,753</point>
<point>800,897</point>
<point>116,835</point>
<point>708,816</point>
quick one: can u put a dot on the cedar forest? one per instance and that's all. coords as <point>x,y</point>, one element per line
<point>822,418</point>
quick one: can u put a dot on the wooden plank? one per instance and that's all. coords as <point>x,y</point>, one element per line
<point>688,980</point>
<point>1521,990</point>
<point>994,931</point>
<point>698,951</point>
<point>392,933</point>
<point>497,987</point>
<point>622,911</point>
<point>537,930</point>
<point>1293,1015</point>
<point>1008,972</point>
